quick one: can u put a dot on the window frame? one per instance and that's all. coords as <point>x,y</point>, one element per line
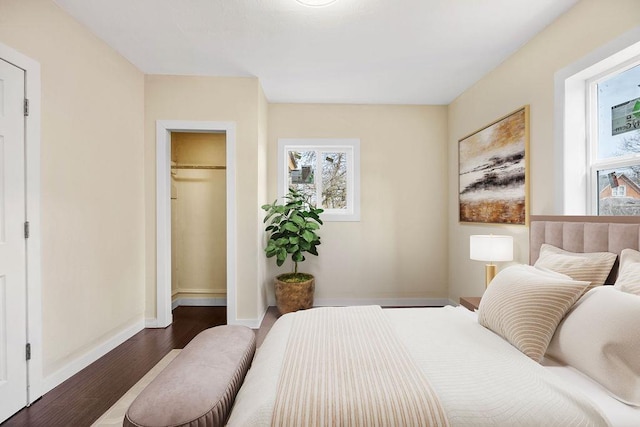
<point>595,165</point>
<point>571,171</point>
<point>615,191</point>
<point>351,146</point>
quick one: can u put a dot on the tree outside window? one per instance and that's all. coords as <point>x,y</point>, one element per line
<point>326,172</point>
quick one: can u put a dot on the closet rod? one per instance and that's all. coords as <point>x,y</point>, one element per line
<point>197,167</point>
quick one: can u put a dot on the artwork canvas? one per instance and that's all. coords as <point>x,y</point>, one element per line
<point>493,172</point>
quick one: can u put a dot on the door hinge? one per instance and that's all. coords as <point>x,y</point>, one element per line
<point>28,351</point>
<point>26,107</point>
<point>26,229</point>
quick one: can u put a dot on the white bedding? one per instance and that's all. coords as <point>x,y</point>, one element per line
<point>378,384</point>
<point>479,377</point>
<point>618,413</point>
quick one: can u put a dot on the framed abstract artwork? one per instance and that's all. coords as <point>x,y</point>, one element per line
<point>494,172</point>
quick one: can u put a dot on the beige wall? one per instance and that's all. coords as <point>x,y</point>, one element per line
<point>527,77</point>
<point>263,170</point>
<point>399,248</point>
<point>199,221</point>
<point>92,195</point>
<point>210,99</point>
<point>98,173</point>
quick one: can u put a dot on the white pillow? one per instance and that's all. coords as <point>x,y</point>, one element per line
<point>629,272</point>
<point>600,337</point>
<point>524,305</point>
<point>593,267</point>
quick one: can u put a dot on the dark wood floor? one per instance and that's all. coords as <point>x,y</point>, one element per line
<point>83,398</point>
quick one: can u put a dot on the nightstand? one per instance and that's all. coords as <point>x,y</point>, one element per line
<point>472,303</point>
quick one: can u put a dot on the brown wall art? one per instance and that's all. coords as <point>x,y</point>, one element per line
<point>493,171</point>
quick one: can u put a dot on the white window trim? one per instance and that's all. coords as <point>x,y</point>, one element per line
<point>353,170</point>
<point>594,165</point>
<point>619,191</point>
<point>571,149</point>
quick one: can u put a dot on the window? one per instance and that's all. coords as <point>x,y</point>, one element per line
<point>326,170</point>
<point>588,147</point>
<point>614,140</point>
<point>619,191</point>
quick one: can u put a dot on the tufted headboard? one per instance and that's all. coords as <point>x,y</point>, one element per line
<point>585,234</point>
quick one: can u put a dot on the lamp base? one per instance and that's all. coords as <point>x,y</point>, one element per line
<point>489,273</point>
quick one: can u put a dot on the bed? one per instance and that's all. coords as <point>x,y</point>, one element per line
<point>533,354</point>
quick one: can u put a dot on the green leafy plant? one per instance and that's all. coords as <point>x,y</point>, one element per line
<point>292,229</point>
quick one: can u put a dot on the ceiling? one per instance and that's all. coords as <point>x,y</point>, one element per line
<point>351,51</point>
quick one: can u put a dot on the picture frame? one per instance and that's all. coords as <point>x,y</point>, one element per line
<point>493,172</point>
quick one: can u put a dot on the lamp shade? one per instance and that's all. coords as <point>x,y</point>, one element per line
<point>491,247</point>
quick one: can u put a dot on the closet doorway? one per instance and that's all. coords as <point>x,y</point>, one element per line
<point>164,131</point>
<point>198,219</point>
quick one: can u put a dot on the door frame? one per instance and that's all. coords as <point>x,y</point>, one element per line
<point>163,212</point>
<point>32,199</point>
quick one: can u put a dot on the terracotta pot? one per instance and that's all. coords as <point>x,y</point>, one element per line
<point>294,296</point>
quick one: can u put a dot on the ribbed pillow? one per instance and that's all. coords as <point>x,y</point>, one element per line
<point>593,267</point>
<point>600,337</point>
<point>629,272</point>
<point>524,306</point>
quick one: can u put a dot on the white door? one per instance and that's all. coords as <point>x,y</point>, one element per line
<point>13,289</point>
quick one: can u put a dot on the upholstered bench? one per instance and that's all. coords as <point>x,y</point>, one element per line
<point>199,386</point>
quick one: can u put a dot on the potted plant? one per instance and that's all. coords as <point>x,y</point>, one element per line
<point>292,230</point>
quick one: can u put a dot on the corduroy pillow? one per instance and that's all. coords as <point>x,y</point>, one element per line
<point>600,337</point>
<point>629,272</point>
<point>524,306</point>
<point>592,267</point>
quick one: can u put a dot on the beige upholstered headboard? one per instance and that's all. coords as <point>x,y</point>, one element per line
<point>584,234</point>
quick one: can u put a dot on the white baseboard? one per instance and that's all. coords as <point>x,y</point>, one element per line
<point>385,302</point>
<point>218,302</point>
<point>318,302</point>
<point>204,302</point>
<point>91,355</point>
<point>152,323</point>
<point>250,323</point>
<point>209,302</point>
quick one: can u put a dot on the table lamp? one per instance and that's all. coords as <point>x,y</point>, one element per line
<point>490,248</point>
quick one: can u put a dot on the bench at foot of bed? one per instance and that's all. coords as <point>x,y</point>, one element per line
<point>199,386</point>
